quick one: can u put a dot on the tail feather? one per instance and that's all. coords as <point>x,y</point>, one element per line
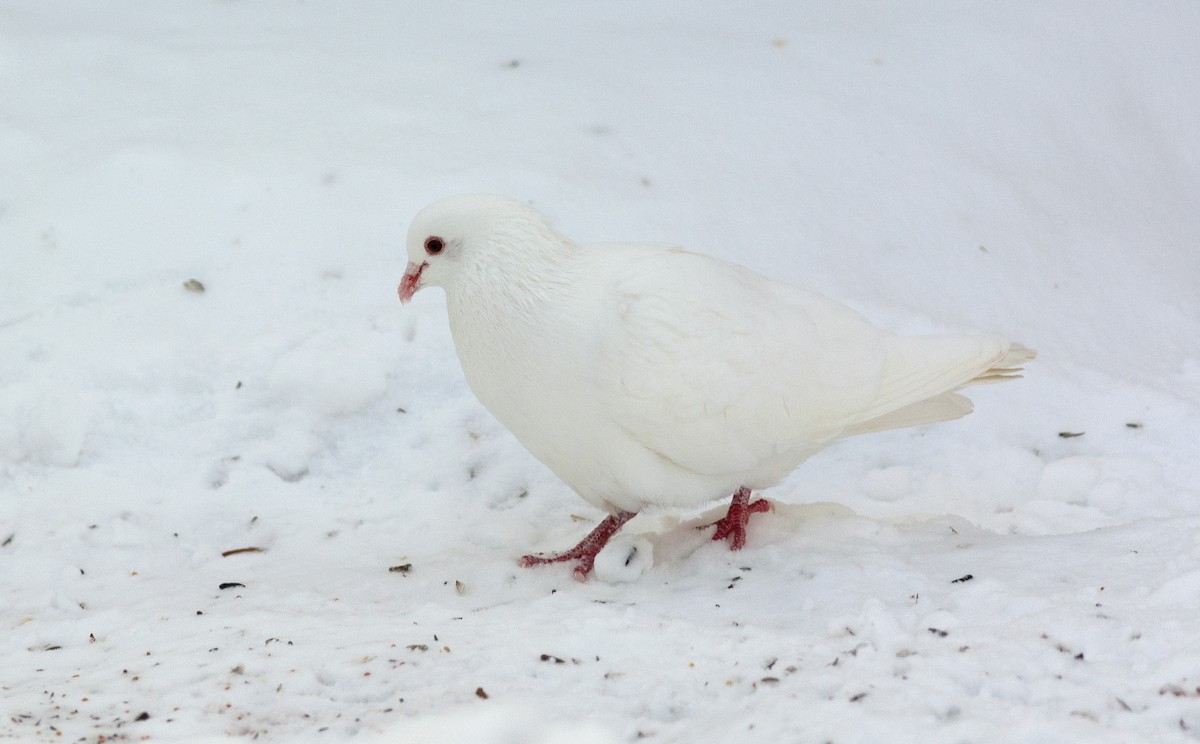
<point>926,372</point>
<point>944,407</point>
<point>1006,368</point>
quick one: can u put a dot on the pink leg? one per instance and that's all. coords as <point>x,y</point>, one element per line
<point>587,549</point>
<point>732,526</point>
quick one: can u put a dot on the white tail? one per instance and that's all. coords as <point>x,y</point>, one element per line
<point>935,390</point>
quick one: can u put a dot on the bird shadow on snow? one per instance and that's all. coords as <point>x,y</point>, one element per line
<point>827,546</point>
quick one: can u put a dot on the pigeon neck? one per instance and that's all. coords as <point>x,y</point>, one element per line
<point>506,319</point>
<point>531,282</point>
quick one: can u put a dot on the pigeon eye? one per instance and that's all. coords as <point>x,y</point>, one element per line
<point>434,245</point>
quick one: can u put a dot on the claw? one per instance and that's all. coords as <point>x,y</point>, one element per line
<point>587,549</point>
<point>732,526</point>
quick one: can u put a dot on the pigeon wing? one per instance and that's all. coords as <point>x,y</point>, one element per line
<point>723,371</point>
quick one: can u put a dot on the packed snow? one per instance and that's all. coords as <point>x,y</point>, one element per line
<point>244,493</point>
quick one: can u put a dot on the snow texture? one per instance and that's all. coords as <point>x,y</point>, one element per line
<point>202,211</point>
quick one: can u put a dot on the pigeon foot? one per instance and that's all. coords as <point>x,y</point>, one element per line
<point>587,549</point>
<point>732,526</point>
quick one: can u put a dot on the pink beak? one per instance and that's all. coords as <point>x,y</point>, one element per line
<point>411,281</point>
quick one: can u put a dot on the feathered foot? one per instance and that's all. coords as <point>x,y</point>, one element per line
<point>587,549</point>
<point>732,526</point>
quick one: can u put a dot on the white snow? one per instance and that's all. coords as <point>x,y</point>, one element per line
<point>1024,168</point>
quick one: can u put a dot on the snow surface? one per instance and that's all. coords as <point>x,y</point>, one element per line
<point>1030,168</point>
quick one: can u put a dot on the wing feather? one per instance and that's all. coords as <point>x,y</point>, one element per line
<point>720,370</point>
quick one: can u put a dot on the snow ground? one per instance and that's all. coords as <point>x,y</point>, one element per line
<point>1029,168</point>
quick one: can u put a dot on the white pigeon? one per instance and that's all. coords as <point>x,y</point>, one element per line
<point>648,375</point>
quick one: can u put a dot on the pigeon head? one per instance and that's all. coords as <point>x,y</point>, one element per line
<point>472,239</point>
